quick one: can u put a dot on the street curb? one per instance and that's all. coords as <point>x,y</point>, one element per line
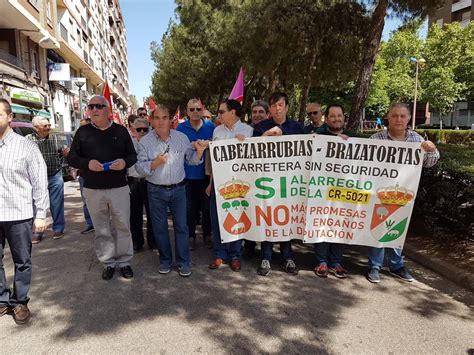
<point>451,272</point>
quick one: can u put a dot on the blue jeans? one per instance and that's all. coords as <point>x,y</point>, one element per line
<point>285,250</point>
<point>87,215</point>
<point>224,251</point>
<point>376,258</point>
<point>329,254</point>
<point>18,235</point>
<point>56,201</point>
<point>160,199</point>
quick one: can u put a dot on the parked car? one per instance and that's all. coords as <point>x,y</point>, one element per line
<point>24,128</point>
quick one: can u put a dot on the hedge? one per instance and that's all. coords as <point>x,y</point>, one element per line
<point>438,136</point>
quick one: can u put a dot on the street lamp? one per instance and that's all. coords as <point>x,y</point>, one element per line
<point>418,62</point>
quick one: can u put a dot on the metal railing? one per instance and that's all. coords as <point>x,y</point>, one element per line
<point>11,59</point>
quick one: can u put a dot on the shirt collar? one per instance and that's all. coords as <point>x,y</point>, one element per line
<point>110,124</point>
<point>234,127</point>
<point>8,138</point>
<point>393,139</point>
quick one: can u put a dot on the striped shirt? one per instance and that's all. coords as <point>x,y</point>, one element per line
<point>179,150</point>
<point>430,158</point>
<point>52,149</point>
<point>23,179</point>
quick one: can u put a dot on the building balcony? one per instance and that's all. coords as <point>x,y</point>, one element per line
<point>460,5</point>
<point>12,60</point>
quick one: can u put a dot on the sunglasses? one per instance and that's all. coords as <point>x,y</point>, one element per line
<point>143,114</point>
<point>141,129</point>
<point>97,106</point>
<point>198,109</point>
<point>313,113</point>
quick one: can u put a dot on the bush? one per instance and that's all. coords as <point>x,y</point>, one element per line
<point>448,136</point>
<point>445,199</point>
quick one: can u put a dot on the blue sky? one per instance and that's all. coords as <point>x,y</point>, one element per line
<point>147,21</point>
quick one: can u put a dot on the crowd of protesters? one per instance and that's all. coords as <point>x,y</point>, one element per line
<point>151,166</point>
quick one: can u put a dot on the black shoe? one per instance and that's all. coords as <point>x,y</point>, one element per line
<point>89,229</point>
<point>127,272</point>
<point>108,273</point>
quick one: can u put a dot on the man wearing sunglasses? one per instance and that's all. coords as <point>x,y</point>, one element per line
<point>161,157</point>
<point>197,128</point>
<point>53,150</point>
<point>141,112</point>
<point>139,195</point>
<point>104,150</point>
<point>314,116</point>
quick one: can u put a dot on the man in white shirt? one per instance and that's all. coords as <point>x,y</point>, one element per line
<point>23,204</point>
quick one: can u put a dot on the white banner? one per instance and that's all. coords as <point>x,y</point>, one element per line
<point>59,72</point>
<point>316,188</point>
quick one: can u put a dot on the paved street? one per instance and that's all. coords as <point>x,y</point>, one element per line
<point>219,311</point>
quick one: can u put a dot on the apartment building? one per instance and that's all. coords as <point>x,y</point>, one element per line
<point>455,11</point>
<point>82,38</point>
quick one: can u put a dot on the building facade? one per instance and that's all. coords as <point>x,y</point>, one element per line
<point>84,38</point>
<point>463,112</point>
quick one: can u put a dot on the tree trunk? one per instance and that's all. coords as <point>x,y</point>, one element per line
<point>307,84</point>
<point>368,61</point>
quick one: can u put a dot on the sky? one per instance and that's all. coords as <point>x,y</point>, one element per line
<point>147,21</point>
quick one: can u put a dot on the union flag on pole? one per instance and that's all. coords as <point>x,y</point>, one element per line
<point>176,119</point>
<point>106,94</point>
<point>237,92</point>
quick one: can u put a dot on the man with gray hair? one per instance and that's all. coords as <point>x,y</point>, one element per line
<point>54,150</point>
<point>260,112</point>
<point>104,151</point>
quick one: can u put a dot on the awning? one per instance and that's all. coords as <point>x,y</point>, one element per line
<point>16,108</point>
<point>42,113</point>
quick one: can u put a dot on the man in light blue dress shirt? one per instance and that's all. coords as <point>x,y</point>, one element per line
<point>161,157</point>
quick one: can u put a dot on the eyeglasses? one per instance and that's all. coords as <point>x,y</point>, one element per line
<point>313,113</point>
<point>198,109</point>
<point>141,129</point>
<point>221,112</point>
<point>143,114</point>
<point>97,106</point>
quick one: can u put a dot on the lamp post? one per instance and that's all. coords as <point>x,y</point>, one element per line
<point>417,62</point>
<point>79,82</point>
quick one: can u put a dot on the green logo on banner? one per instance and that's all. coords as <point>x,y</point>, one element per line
<point>394,233</point>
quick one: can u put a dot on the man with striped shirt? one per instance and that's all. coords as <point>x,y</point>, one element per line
<point>23,204</point>
<point>398,119</point>
<point>161,157</point>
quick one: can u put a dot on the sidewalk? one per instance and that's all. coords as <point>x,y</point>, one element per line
<point>220,311</point>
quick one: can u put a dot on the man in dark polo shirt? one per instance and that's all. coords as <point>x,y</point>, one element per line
<point>277,125</point>
<point>104,151</point>
<point>197,202</point>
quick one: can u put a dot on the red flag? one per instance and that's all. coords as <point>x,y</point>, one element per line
<point>151,103</point>
<point>117,118</point>
<point>106,94</point>
<point>144,105</point>
<point>176,119</point>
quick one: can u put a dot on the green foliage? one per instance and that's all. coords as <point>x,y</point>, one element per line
<point>445,194</point>
<point>465,137</point>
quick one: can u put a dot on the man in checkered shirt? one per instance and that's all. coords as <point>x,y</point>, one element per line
<point>398,119</point>
<point>23,204</point>
<point>53,149</point>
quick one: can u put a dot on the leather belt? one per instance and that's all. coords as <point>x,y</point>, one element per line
<point>172,186</point>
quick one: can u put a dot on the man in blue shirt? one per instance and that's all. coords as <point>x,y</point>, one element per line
<point>197,201</point>
<point>277,125</point>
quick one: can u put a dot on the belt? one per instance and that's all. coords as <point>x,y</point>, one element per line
<point>172,186</point>
<point>132,179</point>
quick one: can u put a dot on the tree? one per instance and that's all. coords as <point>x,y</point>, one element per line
<point>404,8</point>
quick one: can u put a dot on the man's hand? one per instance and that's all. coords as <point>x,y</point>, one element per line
<point>201,145</point>
<point>428,146</point>
<point>240,137</point>
<point>343,136</point>
<point>94,165</point>
<point>39,225</point>
<point>66,151</point>
<point>118,165</point>
<point>159,160</point>
<point>208,190</point>
<point>275,131</point>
